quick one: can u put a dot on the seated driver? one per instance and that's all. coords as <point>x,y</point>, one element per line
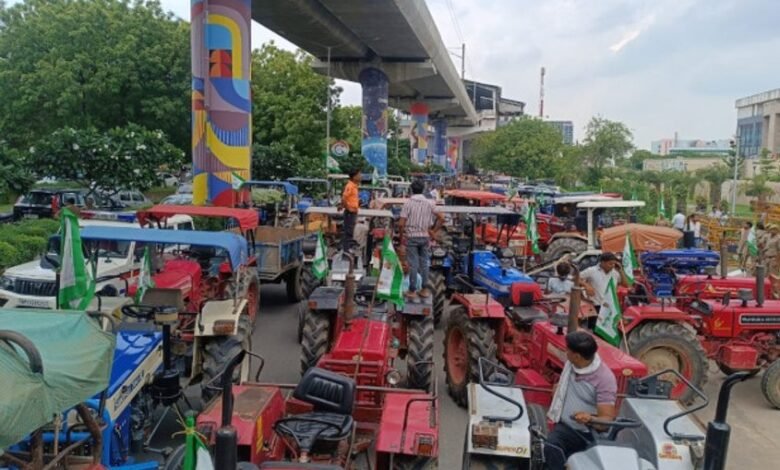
<point>586,390</point>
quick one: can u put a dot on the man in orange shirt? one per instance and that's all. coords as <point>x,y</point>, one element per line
<point>350,203</point>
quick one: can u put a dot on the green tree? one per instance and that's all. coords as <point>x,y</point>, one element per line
<point>526,147</point>
<point>715,175</point>
<point>121,158</point>
<point>289,102</point>
<point>15,178</point>
<point>637,159</point>
<point>92,63</point>
<point>606,142</point>
<point>759,189</point>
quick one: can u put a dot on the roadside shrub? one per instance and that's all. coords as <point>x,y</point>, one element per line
<point>29,246</point>
<point>9,256</point>
<point>22,242</point>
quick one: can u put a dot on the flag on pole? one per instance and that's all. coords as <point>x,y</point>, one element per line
<point>391,277</point>
<point>609,316</point>
<point>145,280</point>
<point>77,283</point>
<point>376,262</point>
<point>333,165</point>
<point>319,266</point>
<point>236,181</point>
<point>374,177</point>
<point>629,259</point>
<point>531,233</point>
<point>196,454</point>
<point>752,245</point>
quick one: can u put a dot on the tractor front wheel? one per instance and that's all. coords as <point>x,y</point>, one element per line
<point>419,356</point>
<point>438,290</point>
<point>308,281</point>
<point>465,341</point>
<point>562,246</point>
<point>314,339</point>
<point>770,384</point>
<point>217,351</point>
<point>665,345</point>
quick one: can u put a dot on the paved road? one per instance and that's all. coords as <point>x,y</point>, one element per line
<point>755,425</point>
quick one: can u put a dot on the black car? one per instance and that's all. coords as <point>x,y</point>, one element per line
<point>44,203</point>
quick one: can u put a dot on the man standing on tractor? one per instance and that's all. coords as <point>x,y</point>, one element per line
<point>350,202</point>
<point>586,391</point>
<point>596,279</point>
<point>417,224</point>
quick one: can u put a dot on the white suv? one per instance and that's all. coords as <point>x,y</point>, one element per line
<point>34,284</point>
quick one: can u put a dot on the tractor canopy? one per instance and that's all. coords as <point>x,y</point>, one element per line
<point>643,237</point>
<point>481,197</point>
<point>285,186</point>
<point>234,245</point>
<point>246,218</point>
<point>66,360</point>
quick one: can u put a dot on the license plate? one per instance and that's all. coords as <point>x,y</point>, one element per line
<point>34,303</point>
<point>30,216</point>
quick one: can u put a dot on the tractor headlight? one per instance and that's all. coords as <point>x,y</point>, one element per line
<point>6,283</point>
<point>393,377</point>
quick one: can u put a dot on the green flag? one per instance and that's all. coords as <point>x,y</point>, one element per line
<point>236,181</point>
<point>196,454</point>
<point>752,245</point>
<point>320,264</point>
<point>77,283</point>
<point>145,280</point>
<point>531,233</point>
<point>661,208</point>
<point>332,164</point>
<point>609,316</point>
<point>391,277</point>
<point>629,259</point>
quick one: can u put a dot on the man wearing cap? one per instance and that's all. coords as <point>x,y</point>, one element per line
<point>596,279</point>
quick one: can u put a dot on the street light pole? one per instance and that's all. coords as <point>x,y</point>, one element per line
<point>327,119</point>
<point>734,182</point>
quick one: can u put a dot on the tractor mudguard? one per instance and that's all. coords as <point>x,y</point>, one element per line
<point>224,312</point>
<point>576,236</point>
<point>479,305</point>
<point>421,307</point>
<point>326,298</point>
<point>636,315</point>
<point>409,425</point>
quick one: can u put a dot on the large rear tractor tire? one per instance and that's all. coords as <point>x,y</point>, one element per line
<point>315,338</point>
<point>308,281</point>
<point>562,246</point>
<point>438,290</point>
<point>419,356</point>
<point>216,353</point>
<point>666,345</point>
<point>465,341</point>
<point>770,384</point>
<point>295,285</point>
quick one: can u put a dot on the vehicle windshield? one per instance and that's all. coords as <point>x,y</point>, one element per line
<point>105,248</point>
<point>37,198</point>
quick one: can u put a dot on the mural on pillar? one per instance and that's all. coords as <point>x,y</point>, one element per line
<point>221,104</point>
<point>374,144</point>
<point>453,148</point>
<point>419,133</point>
<point>440,142</point>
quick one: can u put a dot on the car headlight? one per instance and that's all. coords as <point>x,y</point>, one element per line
<point>6,283</point>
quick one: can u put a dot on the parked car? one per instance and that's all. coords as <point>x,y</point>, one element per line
<point>168,180</point>
<point>130,199</point>
<point>177,199</point>
<point>184,188</point>
<point>45,203</point>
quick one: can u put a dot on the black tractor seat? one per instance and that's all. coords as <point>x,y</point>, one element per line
<point>524,317</point>
<point>333,398</point>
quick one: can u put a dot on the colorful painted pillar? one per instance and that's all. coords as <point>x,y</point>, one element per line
<point>419,133</point>
<point>374,143</point>
<point>221,102</point>
<point>440,142</point>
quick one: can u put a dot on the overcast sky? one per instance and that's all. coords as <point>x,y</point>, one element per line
<point>660,66</point>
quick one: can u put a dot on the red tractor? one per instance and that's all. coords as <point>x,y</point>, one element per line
<point>330,421</point>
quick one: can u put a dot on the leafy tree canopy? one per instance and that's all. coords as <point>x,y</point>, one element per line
<point>606,142</point>
<point>98,63</point>
<point>121,158</point>
<point>14,175</point>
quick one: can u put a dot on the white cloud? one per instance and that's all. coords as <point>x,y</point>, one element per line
<point>630,36</point>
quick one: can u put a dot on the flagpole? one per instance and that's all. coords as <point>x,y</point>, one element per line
<point>625,341</point>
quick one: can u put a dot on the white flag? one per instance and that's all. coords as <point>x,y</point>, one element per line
<point>609,315</point>
<point>236,181</point>
<point>319,266</point>
<point>145,280</point>
<point>629,259</point>
<point>77,285</point>
<point>391,277</point>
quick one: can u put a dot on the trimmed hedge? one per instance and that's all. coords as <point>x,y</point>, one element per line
<point>24,241</point>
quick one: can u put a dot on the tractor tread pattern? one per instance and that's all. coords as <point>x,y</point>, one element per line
<point>481,342</point>
<point>562,246</point>
<point>315,338</point>
<point>218,351</point>
<point>438,290</point>
<point>770,384</point>
<point>419,356</point>
<point>683,339</point>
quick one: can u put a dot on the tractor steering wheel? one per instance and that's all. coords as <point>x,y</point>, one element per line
<point>304,440</point>
<point>139,312</point>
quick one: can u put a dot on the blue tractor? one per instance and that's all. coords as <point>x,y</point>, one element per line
<point>662,267</point>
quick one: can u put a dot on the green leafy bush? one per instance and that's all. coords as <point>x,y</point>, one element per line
<point>9,256</point>
<point>22,242</point>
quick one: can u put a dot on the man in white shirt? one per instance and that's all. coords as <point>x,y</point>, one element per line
<point>596,279</point>
<point>678,221</point>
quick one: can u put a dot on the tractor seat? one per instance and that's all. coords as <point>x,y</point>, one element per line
<point>332,396</point>
<point>526,316</point>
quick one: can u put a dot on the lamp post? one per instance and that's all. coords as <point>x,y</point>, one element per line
<point>734,182</point>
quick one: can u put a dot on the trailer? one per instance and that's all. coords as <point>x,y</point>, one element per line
<point>279,254</point>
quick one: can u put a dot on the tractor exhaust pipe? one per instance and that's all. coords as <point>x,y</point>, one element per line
<point>574,308</point>
<point>724,265</point>
<point>718,430</point>
<point>760,288</point>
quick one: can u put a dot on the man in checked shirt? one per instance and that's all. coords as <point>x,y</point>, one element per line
<point>418,222</point>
